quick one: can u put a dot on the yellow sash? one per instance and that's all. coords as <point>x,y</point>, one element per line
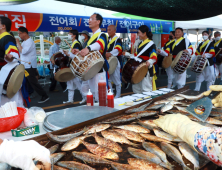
<point>180,39</point>
<point>203,45</point>
<point>73,44</point>
<point>4,34</point>
<point>144,42</point>
<point>114,39</point>
<point>217,43</point>
<point>170,42</point>
<point>93,38</point>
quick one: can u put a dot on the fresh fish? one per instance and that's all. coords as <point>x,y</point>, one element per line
<point>74,165</point>
<point>151,147</point>
<point>108,143</point>
<point>166,136</point>
<point>133,116</point>
<point>183,109</point>
<point>155,106</point>
<point>173,153</point>
<point>154,138</point>
<point>141,154</point>
<point>101,151</point>
<point>143,164</point>
<point>73,143</point>
<point>134,128</point>
<point>162,102</point>
<point>191,97</point>
<point>149,124</point>
<point>90,158</point>
<point>178,111</point>
<point>64,138</point>
<point>55,167</point>
<point>166,107</point>
<point>116,137</point>
<point>118,166</point>
<point>175,98</point>
<point>97,128</point>
<point>55,157</point>
<point>130,135</point>
<point>53,149</point>
<point>208,120</point>
<point>190,154</point>
<point>141,108</point>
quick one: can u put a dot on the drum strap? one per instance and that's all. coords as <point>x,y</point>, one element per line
<point>145,48</point>
<point>4,74</point>
<point>206,47</point>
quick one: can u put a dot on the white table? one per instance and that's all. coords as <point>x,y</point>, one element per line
<point>8,135</point>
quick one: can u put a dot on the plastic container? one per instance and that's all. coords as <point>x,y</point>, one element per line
<point>110,99</point>
<point>38,113</point>
<point>13,122</point>
<point>89,99</point>
<point>102,92</point>
<point>29,119</point>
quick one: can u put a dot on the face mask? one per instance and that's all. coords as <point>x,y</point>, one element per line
<point>170,37</point>
<point>218,38</point>
<point>205,37</point>
<point>69,36</point>
<point>82,37</point>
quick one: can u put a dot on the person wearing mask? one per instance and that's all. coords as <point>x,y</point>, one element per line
<point>180,44</point>
<point>28,53</point>
<point>75,83</point>
<point>7,55</point>
<point>149,55</point>
<point>98,42</point>
<point>21,154</point>
<point>206,49</point>
<point>217,46</point>
<point>169,70</point>
<point>114,49</point>
<point>85,37</point>
<point>54,49</point>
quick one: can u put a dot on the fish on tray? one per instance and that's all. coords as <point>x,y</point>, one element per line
<point>143,164</point>
<point>97,128</point>
<point>134,128</point>
<point>130,135</point>
<point>166,136</point>
<point>188,97</point>
<point>141,108</point>
<point>53,149</point>
<point>209,120</point>
<point>74,165</point>
<point>149,124</point>
<point>118,166</point>
<point>55,157</point>
<point>154,138</point>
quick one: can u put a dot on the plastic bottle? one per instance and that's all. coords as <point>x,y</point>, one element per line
<point>102,92</point>
<point>156,28</point>
<point>110,99</point>
<point>151,28</point>
<point>89,97</point>
<point>161,28</point>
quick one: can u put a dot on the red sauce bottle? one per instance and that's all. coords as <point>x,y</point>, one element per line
<point>102,92</point>
<point>89,99</point>
<point>110,99</point>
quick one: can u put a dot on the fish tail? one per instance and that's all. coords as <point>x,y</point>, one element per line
<point>133,144</point>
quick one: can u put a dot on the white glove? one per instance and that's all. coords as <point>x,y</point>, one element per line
<point>208,55</point>
<point>137,59</point>
<point>151,61</point>
<point>128,55</point>
<point>21,154</point>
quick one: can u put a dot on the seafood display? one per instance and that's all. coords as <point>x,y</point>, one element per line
<point>130,141</point>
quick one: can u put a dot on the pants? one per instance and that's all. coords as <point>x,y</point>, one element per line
<point>73,85</point>
<point>206,75</point>
<point>34,82</point>
<point>54,82</point>
<point>180,79</point>
<point>145,85</point>
<point>115,78</point>
<point>93,84</point>
<point>219,67</point>
<point>170,75</point>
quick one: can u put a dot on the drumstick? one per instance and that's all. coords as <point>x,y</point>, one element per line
<point>68,43</point>
<point>21,60</point>
<point>218,52</point>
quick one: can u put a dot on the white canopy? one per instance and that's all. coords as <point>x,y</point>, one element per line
<point>202,24</point>
<point>57,7</point>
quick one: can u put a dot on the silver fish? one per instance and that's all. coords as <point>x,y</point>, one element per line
<point>148,124</point>
<point>74,165</point>
<point>209,120</point>
<point>177,111</point>
<point>53,149</point>
<point>182,109</point>
<point>167,107</point>
<point>64,138</point>
<point>151,147</point>
<point>155,106</point>
<point>134,128</point>
<point>190,154</point>
<point>191,97</point>
<point>162,102</point>
<point>141,108</point>
<point>166,136</point>
<point>143,164</point>
<point>175,98</point>
<point>173,153</point>
<point>55,157</point>
<point>118,166</point>
<point>97,128</point>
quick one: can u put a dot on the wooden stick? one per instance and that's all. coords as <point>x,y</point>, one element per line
<point>218,52</point>
<point>68,43</point>
<point>21,60</point>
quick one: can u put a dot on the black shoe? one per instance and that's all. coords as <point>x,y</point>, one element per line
<point>44,99</point>
<point>126,86</point>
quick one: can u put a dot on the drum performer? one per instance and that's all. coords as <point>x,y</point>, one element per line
<point>180,44</point>
<point>206,49</point>
<point>217,46</point>
<point>148,54</point>
<point>114,48</point>
<point>75,83</point>
<point>169,71</point>
<point>98,41</point>
<point>8,50</point>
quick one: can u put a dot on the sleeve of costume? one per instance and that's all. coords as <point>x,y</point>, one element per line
<point>152,53</point>
<point>198,50</point>
<point>190,49</point>
<point>10,47</point>
<point>118,46</point>
<point>211,49</point>
<point>100,44</point>
<point>163,53</point>
<point>114,52</point>
<point>168,49</point>
<point>77,46</point>
<point>51,51</point>
<point>27,48</point>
